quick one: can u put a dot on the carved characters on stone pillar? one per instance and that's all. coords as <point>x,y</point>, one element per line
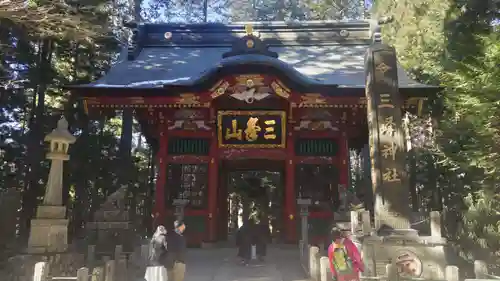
<point>387,150</point>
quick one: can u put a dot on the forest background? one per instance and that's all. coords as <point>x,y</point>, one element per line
<point>45,44</point>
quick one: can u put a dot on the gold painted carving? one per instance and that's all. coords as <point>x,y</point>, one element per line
<point>250,80</point>
<point>269,130</point>
<point>248,29</point>
<point>391,175</point>
<point>85,106</point>
<point>234,132</point>
<point>389,150</point>
<point>219,89</point>
<point>311,99</point>
<point>387,127</point>
<point>252,129</point>
<point>386,102</point>
<point>136,100</point>
<point>382,67</point>
<point>188,99</point>
<point>250,43</point>
<point>280,89</point>
<point>92,101</point>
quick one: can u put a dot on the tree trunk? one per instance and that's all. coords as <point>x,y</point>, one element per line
<point>35,141</point>
<point>94,193</point>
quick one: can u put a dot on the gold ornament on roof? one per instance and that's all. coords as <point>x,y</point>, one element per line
<point>249,29</point>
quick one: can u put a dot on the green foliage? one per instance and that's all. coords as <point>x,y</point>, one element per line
<point>453,43</point>
<point>55,19</point>
<point>44,46</point>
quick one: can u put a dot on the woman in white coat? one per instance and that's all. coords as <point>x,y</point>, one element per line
<point>156,270</point>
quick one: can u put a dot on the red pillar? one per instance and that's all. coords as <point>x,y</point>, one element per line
<point>160,207</point>
<point>344,155</point>
<point>213,173</point>
<point>290,215</point>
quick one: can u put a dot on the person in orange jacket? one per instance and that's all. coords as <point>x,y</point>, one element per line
<point>345,259</point>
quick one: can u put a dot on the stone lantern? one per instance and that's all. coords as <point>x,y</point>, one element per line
<point>60,139</point>
<point>49,229</point>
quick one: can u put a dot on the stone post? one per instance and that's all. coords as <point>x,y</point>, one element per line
<point>354,222</point>
<point>41,271</point>
<point>480,269</point>
<point>391,272</point>
<point>180,204</point>
<point>110,271</point>
<point>304,204</point>
<point>144,253</point>
<point>435,224</point>
<point>118,252</point>
<point>82,274</point>
<point>49,229</point>
<point>122,270</point>
<point>452,273</point>
<point>253,252</point>
<point>304,229</point>
<point>314,266</point>
<point>97,274</point>
<point>366,224</point>
<point>90,256</point>
<point>324,265</point>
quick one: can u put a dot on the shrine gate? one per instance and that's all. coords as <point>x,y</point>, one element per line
<point>291,98</point>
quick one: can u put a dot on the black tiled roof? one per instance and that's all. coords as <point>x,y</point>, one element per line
<point>311,53</point>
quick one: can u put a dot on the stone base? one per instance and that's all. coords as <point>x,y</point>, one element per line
<point>422,256</point>
<point>398,232</point>
<point>48,235</point>
<point>51,212</point>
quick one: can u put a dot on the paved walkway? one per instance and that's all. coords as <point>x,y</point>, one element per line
<point>222,265</point>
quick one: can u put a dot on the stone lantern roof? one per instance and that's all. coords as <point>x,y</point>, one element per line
<point>61,133</point>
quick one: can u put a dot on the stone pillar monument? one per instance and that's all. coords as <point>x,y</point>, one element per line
<point>386,139</point>
<point>394,243</point>
<point>49,229</point>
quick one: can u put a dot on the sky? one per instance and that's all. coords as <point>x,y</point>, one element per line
<point>213,15</point>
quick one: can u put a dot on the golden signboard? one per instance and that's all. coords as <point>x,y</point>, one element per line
<point>253,129</point>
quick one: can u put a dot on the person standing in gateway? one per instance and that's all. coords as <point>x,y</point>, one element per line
<point>176,257</point>
<point>157,252</point>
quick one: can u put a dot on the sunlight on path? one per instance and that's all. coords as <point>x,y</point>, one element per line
<point>222,265</point>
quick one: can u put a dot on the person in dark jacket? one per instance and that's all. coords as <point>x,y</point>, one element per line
<point>262,236</point>
<point>244,241</point>
<point>157,253</point>
<point>176,258</point>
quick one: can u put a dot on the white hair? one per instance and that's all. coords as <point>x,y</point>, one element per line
<point>160,230</point>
